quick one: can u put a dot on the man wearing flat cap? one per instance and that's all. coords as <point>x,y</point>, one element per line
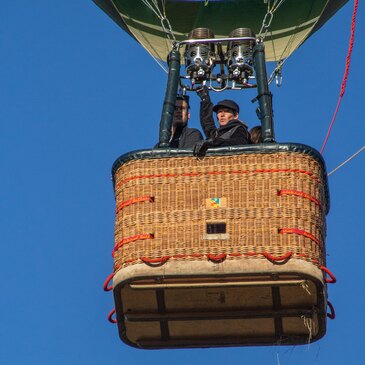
<point>231,131</point>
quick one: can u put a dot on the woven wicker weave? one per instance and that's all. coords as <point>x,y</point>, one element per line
<point>271,203</point>
<point>224,251</point>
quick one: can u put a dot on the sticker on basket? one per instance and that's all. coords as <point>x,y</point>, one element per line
<point>216,203</point>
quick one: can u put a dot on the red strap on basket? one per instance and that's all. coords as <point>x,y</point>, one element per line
<point>110,316</point>
<point>299,193</point>
<point>217,258</point>
<point>332,314</point>
<point>140,199</point>
<point>300,232</point>
<point>106,282</point>
<point>163,259</point>
<point>332,279</point>
<point>157,260</point>
<point>124,241</point>
<point>284,257</point>
<point>196,174</point>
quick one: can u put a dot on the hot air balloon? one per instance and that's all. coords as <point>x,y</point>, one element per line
<point>155,24</point>
<point>228,250</point>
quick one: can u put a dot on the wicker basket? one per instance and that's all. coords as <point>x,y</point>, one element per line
<point>222,251</point>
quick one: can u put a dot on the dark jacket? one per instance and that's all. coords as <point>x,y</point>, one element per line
<point>221,136</point>
<point>185,137</point>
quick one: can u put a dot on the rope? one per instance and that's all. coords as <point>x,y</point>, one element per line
<point>165,23</point>
<point>158,62</point>
<point>308,324</point>
<point>345,162</point>
<point>299,193</point>
<point>110,316</point>
<point>332,314</point>
<point>300,232</point>
<point>286,256</point>
<point>125,241</point>
<point>346,73</point>
<point>106,285</point>
<point>140,199</point>
<point>332,279</point>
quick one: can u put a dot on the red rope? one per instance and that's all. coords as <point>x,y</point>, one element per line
<point>196,174</point>
<point>346,73</point>
<point>300,232</point>
<point>158,260</point>
<point>284,257</point>
<point>110,316</point>
<point>124,241</point>
<point>105,286</point>
<point>332,279</point>
<point>268,256</point>
<point>217,258</point>
<point>140,199</point>
<point>299,193</point>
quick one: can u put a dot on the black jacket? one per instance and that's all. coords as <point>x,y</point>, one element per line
<point>221,136</point>
<point>185,137</point>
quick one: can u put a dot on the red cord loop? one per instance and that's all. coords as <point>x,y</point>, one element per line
<point>299,193</point>
<point>239,172</point>
<point>332,314</point>
<point>161,260</point>
<point>131,239</point>
<point>332,279</point>
<point>300,232</point>
<point>140,199</point>
<point>158,260</point>
<point>107,281</point>
<point>284,257</point>
<point>110,316</point>
<point>217,258</point>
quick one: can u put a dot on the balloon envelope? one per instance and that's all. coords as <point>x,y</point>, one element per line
<point>149,22</point>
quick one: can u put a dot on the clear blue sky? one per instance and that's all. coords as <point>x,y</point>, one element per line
<point>75,93</point>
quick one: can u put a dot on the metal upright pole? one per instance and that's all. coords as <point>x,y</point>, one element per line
<point>170,98</point>
<point>264,96</point>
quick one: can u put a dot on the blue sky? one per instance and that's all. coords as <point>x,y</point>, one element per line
<point>76,92</point>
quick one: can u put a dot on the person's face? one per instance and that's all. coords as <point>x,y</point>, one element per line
<point>224,115</point>
<point>181,113</point>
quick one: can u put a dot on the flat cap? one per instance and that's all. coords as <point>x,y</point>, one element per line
<point>230,104</point>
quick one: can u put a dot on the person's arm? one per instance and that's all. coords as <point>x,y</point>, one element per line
<point>206,113</point>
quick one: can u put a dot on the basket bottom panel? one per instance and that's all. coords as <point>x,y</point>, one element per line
<point>270,307</point>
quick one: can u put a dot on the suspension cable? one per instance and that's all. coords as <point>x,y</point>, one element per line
<point>165,24</point>
<point>277,70</point>
<point>266,22</point>
<point>346,73</point>
<point>158,62</point>
<point>161,15</point>
<point>346,161</point>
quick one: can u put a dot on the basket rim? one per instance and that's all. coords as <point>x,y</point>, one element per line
<point>264,148</point>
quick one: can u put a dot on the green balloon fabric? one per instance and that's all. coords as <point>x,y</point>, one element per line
<point>156,23</point>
